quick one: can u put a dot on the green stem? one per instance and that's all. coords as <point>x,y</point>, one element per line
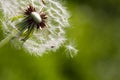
<point>7,39</point>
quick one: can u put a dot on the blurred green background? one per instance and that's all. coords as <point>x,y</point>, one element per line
<point>95,30</point>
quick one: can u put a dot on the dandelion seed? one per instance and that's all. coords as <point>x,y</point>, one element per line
<point>32,20</point>
<point>72,51</point>
<point>37,24</point>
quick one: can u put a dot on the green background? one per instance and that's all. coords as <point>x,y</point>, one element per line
<point>95,30</point>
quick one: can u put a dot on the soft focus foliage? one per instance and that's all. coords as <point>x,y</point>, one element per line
<point>96,31</point>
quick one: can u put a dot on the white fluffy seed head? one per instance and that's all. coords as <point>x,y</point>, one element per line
<point>50,38</point>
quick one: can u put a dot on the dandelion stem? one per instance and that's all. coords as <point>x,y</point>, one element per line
<point>7,39</point>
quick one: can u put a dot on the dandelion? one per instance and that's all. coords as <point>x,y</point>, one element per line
<point>72,51</point>
<point>36,25</point>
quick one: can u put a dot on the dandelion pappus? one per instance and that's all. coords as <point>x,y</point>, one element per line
<point>33,19</point>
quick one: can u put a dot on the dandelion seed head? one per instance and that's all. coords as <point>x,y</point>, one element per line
<point>49,38</point>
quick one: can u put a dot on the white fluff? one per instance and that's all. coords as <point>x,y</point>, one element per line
<point>40,41</point>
